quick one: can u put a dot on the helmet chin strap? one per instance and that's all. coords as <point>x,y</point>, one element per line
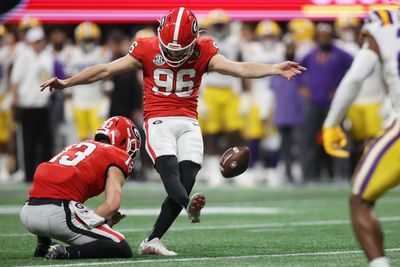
<point>177,63</point>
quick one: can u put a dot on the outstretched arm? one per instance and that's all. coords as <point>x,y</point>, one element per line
<point>95,73</point>
<point>334,139</point>
<point>248,70</point>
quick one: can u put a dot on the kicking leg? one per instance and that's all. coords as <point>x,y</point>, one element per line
<point>170,209</point>
<point>169,212</point>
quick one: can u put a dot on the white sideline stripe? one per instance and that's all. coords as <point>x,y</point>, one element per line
<point>251,227</point>
<point>155,211</point>
<point>178,24</point>
<point>301,254</point>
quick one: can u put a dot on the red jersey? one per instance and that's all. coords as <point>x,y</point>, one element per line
<point>171,91</point>
<point>79,172</point>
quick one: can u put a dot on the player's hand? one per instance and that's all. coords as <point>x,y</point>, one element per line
<point>334,141</point>
<point>289,69</point>
<point>116,218</point>
<point>53,83</point>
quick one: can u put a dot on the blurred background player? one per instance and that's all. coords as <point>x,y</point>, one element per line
<point>34,65</point>
<point>347,29</point>
<point>24,25</point>
<point>327,64</point>
<point>366,116</point>
<point>219,105</point>
<point>260,43</point>
<point>88,104</point>
<point>7,50</point>
<point>61,48</point>
<point>288,116</point>
<point>127,97</point>
<point>303,31</point>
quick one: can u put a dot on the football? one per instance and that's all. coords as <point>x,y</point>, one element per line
<point>234,161</point>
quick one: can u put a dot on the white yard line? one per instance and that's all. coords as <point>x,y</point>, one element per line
<point>251,227</point>
<point>301,254</point>
<point>13,209</point>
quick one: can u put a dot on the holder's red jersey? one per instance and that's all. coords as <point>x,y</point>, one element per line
<point>79,172</point>
<point>171,91</point>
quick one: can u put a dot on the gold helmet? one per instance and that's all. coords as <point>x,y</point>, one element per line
<point>29,22</point>
<point>217,16</point>
<point>87,30</point>
<point>346,21</point>
<point>268,28</point>
<point>3,30</point>
<point>302,29</point>
<point>145,32</point>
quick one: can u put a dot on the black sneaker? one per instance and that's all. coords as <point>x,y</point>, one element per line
<point>56,252</point>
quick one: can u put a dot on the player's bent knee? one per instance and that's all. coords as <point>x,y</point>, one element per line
<point>356,202</point>
<point>124,250</point>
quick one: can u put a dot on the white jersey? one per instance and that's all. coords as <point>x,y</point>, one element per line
<point>229,48</point>
<point>384,26</point>
<point>88,95</point>
<point>261,95</point>
<point>372,88</point>
<point>6,58</point>
<point>30,70</point>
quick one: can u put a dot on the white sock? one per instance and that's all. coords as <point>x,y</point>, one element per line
<point>379,262</point>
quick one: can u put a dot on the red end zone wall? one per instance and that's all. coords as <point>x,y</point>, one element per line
<point>128,11</point>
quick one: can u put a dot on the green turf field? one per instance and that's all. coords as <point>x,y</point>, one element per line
<point>305,226</point>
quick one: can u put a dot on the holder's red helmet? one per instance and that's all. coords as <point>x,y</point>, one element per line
<point>177,35</point>
<point>122,133</point>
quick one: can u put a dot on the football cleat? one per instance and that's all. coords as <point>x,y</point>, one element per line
<point>154,246</point>
<point>56,252</point>
<point>196,203</point>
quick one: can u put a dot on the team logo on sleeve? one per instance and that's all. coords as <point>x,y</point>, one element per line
<point>215,45</point>
<point>158,60</point>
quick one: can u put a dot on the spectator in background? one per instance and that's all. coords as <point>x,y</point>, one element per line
<point>219,105</point>
<point>326,64</point>
<point>7,50</point>
<point>127,96</point>
<point>62,50</point>
<point>303,31</point>
<point>347,29</point>
<point>256,104</point>
<point>31,68</point>
<point>23,26</point>
<point>89,103</point>
<point>289,113</point>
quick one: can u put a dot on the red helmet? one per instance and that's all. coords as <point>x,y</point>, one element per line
<point>177,35</point>
<point>122,133</point>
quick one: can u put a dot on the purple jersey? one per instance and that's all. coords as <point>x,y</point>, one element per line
<point>289,103</point>
<point>325,71</point>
